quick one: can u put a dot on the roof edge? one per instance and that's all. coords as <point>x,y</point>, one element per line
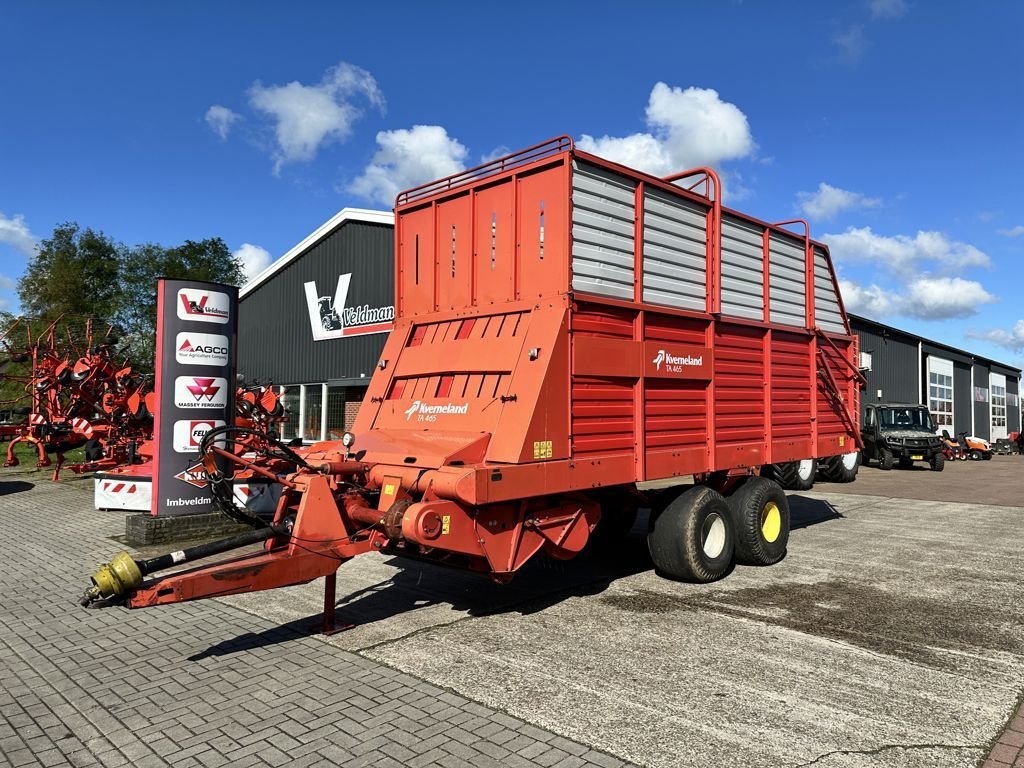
<point>942,345</point>
<point>344,215</point>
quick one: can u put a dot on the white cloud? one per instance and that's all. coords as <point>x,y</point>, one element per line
<point>829,201</point>
<point>1013,232</point>
<point>686,128</point>
<point>254,259</point>
<point>499,151</point>
<point>407,157</point>
<point>308,116</point>
<point>6,283</point>
<point>15,233</point>
<point>888,9</point>
<point>221,119</point>
<point>1010,339</point>
<point>926,298</point>
<point>901,253</point>
<point>851,43</point>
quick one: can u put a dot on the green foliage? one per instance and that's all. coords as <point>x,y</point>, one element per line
<point>85,273</point>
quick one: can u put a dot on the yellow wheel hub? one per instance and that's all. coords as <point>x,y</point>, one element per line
<point>771,522</point>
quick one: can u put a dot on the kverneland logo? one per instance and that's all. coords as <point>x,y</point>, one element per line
<point>426,412</point>
<point>673,362</point>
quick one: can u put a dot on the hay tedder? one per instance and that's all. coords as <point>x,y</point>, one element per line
<point>567,330</point>
<point>74,390</point>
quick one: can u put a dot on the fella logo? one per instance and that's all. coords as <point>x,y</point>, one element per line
<point>188,433</point>
<point>191,348</point>
<point>425,412</point>
<point>200,392</point>
<point>204,306</point>
<point>331,317</point>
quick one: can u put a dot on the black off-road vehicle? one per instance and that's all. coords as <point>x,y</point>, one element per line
<point>901,434</point>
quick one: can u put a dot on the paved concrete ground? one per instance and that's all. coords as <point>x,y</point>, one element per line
<point>206,684</point>
<point>891,635</point>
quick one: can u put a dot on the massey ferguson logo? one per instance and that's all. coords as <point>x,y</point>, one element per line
<point>331,318</point>
<point>675,364</point>
<point>201,349</point>
<point>195,476</point>
<point>188,433</point>
<point>204,306</point>
<point>200,392</point>
<point>424,412</point>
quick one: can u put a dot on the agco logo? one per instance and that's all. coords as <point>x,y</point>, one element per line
<point>204,306</point>
<point>425,412</point>
<point>674,364</point>
<point>200,392</point>
<point>201,349</point>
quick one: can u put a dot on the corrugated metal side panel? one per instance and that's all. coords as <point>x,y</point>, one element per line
<point>826,304</point>
<point>742,268</point>
<point>739,385</point>
<point>1013,410</point>
<point>791,387</point>
<point>675,251</point>
<point>982,422</point>
<point>602,415</point>
<point>275,342</point>
<point>603,227</point>
<point>962,397</point>
<point>830,421</point>
<point>894,364</point>
<point>675,414</point>
<point>787,282</point>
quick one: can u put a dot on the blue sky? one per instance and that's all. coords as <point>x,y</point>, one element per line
<point>893,125</point>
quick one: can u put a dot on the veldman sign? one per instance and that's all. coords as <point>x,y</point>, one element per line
<point>195,371</point>
<point>330,317</point>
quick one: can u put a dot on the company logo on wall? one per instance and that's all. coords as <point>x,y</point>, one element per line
<point>331,317</point>
<point>188,433</point>
<point>204,306</point>
<point>675,363</point>
<point>196,477</point>
<point>200,392</point>
<point>192,348</point>
<point>426,412</point>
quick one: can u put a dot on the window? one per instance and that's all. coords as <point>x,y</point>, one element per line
<point>865,361</point>
<point>998,406</point>
<point>311,414</point>
<point>335,413</point>
<point>940,399</point>
<point>290,397</point>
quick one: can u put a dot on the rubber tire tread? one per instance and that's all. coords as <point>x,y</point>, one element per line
<point>885,459</point>
<point>745,505</point>
<point>838,473</point>
<point>938,462</point>
<point>674,537</point>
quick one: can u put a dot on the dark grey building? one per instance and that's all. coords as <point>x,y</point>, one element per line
<point>314,322</point>
<point>965,392</point>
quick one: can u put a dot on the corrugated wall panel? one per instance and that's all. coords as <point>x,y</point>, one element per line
<point>602,415</point>
<point>739,385</point>
<point>962,397</point>
<point>603,227</point>
<point>742,268</point>
<point>787,282</point>
<point>791,387</point>
<point>1013,409</point>
<point>675,251</point>
<point>894,364</point>
<point>826,304</point>
<point>981,408</point>
<point>275,341</point>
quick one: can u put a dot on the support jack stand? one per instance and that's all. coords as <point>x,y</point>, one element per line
<point>329,627</point>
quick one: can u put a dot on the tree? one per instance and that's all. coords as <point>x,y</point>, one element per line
<point>142,265</point>
<point>75,272</point>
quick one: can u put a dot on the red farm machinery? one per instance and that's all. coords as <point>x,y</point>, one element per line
<point>568,330</point>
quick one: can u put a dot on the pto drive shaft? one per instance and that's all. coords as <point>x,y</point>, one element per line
<point>123,573</point>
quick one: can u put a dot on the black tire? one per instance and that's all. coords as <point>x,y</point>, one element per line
<point>843,468</point>
<point>975,455</point>
<point>938,462</point>
<point>885,459</point>
<point>93,450</point>
<point>760,522</point>
<point>692,538</point>
<point>987,456</point>
<point>793,475</point>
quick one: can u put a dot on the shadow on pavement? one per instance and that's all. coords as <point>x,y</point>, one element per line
<point>15,486</point>
<point>805,512</point>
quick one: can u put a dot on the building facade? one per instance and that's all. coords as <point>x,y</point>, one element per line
<point>314,323</point>
<point>965,392</point>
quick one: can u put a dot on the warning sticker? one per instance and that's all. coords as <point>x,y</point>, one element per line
<point>542,449</point>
